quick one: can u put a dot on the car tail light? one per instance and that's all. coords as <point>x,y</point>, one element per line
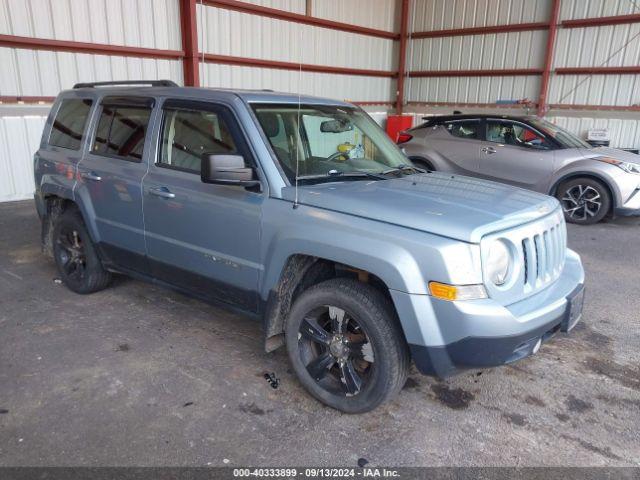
<point>404,137</point>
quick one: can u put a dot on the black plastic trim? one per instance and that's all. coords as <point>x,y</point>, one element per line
<point>152,83</point>
<point>481,352</point>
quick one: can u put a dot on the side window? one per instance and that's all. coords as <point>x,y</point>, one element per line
<point>187,134</point>
<point>469,129</point>
<point>515,134</point>
<point>282,141</point>
<point>69,124</point>
<point>121,131</point>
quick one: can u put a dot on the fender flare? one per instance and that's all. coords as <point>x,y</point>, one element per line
<point>48,190</point>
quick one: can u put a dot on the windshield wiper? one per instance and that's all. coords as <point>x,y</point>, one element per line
<point>404,168</point>
<point>333,174</point>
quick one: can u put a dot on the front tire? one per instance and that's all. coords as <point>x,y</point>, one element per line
<point>346,346</point>
<point>584,200</point>
<point>76,258</point>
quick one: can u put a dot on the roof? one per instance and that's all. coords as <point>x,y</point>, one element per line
<point>249,96</point>
<point>471,116</point>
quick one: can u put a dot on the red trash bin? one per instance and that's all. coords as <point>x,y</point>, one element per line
<point>398,123</point>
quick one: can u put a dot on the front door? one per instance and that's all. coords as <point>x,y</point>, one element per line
<point>110,177</point>
<point>517,154</point>
<point>202,237</point>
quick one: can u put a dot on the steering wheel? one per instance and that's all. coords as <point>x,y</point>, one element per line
<point>335,156</point>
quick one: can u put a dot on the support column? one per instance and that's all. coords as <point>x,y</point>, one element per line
<point>402,53</point>
<point>548,61</point>
<point>189,32</point>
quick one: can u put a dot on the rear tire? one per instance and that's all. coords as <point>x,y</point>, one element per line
<point>584,200</point>
<point>346,346</point>
<point>422,163</point>
<point>76,258</point>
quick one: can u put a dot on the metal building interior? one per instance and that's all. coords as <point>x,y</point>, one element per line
<point>574,62</point>
<point>142,376</point>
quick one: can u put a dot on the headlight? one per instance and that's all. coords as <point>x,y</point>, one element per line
<point>498,263</point>
<point>626,166</point>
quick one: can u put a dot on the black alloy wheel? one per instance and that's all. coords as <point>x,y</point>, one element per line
<point>76,258</point>
<point>71,254</point>
<point>346,345</point>
<point>336,350</point>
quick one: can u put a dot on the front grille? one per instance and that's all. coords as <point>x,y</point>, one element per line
<point>543,255</point>
<point>539,255</point>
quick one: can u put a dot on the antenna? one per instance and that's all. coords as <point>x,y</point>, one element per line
<point>295,201</point>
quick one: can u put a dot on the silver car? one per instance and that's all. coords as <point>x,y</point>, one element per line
<point>534,154</point>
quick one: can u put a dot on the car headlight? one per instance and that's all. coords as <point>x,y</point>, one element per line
<point>498,263</point>
<point>626,166</point>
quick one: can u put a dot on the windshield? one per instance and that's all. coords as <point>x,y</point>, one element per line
<point>562,136</point>
<point>328,142</point>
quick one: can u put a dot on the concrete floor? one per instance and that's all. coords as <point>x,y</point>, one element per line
<point>138,375</point>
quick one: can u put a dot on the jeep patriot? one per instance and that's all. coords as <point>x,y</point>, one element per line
<point>301,212</point>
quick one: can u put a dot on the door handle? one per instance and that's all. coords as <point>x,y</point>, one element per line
<point>91,176</point>
<point>162,192</point>
<point>488,150</point>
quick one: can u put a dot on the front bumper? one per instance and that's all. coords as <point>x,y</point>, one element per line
<point>631,205</point>
<point>450,336</point>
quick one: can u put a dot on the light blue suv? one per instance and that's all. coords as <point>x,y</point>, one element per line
<point>300,211</point>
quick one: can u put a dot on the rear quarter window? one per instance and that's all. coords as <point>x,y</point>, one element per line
<point>69,123</point>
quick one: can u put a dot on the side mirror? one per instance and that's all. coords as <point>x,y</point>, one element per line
<point>226,169</point>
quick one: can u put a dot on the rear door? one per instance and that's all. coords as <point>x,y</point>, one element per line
<point>516,153</point>
<point>459,141</point>
<point>110,178</point>
<point>202,237</point>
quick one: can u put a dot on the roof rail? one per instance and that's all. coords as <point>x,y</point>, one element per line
<point>152,83</point>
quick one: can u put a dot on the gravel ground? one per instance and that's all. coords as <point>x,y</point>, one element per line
<point>139,375</point>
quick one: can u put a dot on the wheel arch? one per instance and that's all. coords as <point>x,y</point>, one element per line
<point>54,206</point>
<point>423,160</point>
<point>300,272</point>
<point>594,176</point>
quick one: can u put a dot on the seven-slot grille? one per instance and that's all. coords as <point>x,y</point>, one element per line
<point>544,255</point>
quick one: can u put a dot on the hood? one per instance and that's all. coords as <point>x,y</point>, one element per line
<point>613,153</point>
<point>452,206</point>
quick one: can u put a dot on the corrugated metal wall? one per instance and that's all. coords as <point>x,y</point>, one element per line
<point>597,46</point>
<point>625,133</point>
<point>135,23</point>
<point>575,47</point>
<point>472,89</point>
<point>447,14</point>
<point>342,87</point>
<point>156,24</point>
<point>380,14</point>
<point>472,52</point>
<point>245,35</point>
<point>19,139</point>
